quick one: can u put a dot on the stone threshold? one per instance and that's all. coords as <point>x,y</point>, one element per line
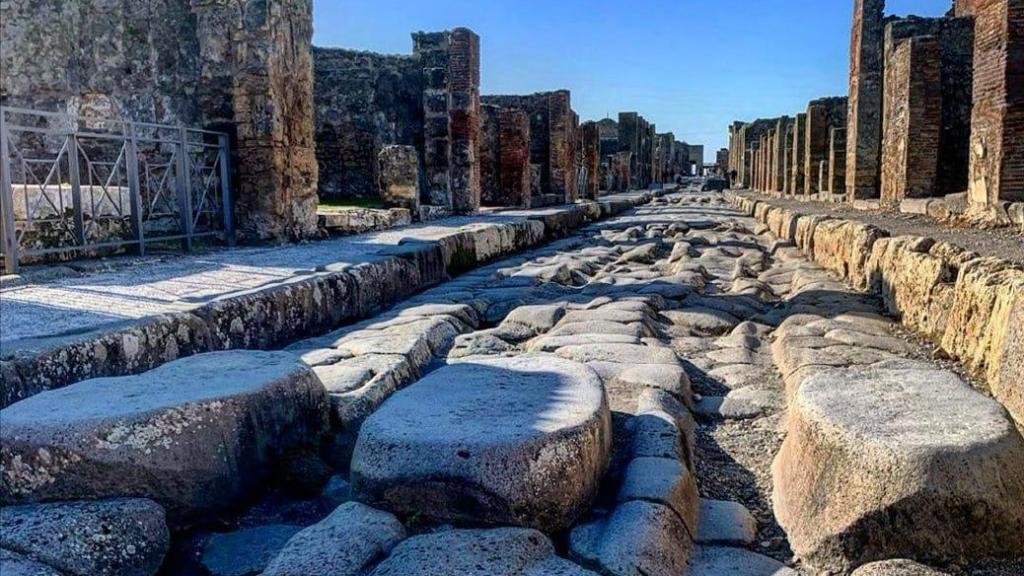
<point>299,305</point>
<point>970,307</point>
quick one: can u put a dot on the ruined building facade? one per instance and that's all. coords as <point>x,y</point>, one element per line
<point>935,110</point>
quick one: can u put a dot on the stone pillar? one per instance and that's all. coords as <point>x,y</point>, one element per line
<point>787,160</point>
<point>591,154</point>
<point>799,153</point>
<point>913,115</point>
<point>432,48</point>
<point>561,152</point>
<point>997,119</point>
<point>864,120</point>
<point>490,156</point>
<point>464,119</point>
<point>837,161</point>
<point>515,157</point>
<point>782,128</point>
<point>821,175</point>
<point>816,145</point>
<point>261,56</point>
<point>399,168</point>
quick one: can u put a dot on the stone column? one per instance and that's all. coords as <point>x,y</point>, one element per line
<point>561,153</point>
<point>490,156</point>
<point>515,157</point>
<point>997,118</point>
<point>864,121</point>
<point>837,161</point>
<point>433,50</point>
<point>816,145</point>
<point>799,153</point>
<point>591,154</point>
<point>779,153</point>
<point>787,160</point>
<point>257,72</point>
<point>913,115</point>
<point>464,118</point>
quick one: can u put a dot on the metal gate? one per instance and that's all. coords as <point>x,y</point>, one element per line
<point>72,185</point>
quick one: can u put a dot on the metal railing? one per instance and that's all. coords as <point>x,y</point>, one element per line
<point>73,185</point>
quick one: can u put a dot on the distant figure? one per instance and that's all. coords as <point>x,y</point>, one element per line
<point>732,177</point>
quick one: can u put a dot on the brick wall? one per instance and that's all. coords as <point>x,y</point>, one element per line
<point>515,158</point>
<point>997,120</point>
<point>822,116</point>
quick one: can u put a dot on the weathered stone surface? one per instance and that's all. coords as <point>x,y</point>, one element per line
<point>506,551</point>
<point>638,539</point>
<point>520,441</point>
<point>194,434</point>
<point>725,523</point>
<point>14,564</point>
<point>896,568</point>
<point>120,537</point>
<point>346,543</point>
<point>663,481</point>
<point>717,561</point>
<point>873,467</point>
<point>247,551</point>
<point>621,353</point>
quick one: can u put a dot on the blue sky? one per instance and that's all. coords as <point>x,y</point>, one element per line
<point>690,66</point>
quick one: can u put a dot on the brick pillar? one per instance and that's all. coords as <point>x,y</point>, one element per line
<point>837,160</point>
<point>799,153</point>
<point>261,57</point>
<point>913,116</point>
<point>816,146</point>
<point>591,154</point>
<point>997,118</point>
<point>864,121</point>
<point>464,119</point>
<point>515,157</point>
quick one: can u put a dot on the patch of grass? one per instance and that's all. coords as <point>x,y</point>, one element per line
<point>342,203</point>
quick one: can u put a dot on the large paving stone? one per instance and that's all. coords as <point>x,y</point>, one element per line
<point>521,441</point>
<point>725,561</point>
<point>120,537</point>
<point>505,551</point>
<point>194,434</point>
<point>884,463</point>
<point>725,523</point>
<point>346,543</point>
<point>638,539</point>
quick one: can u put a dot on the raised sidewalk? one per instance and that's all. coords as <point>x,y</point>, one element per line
<point>140,315</point>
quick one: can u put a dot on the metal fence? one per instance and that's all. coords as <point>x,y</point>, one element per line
<point>73,186</point>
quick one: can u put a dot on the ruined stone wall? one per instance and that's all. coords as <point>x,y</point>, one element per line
<point>750,136</point>
<point>552,149</point>
<point>464,119</point>
<point>837,161</point>
<point>363,101</point>
<point>782,127</point>
<point>242,69</point>
<point>997,121</point>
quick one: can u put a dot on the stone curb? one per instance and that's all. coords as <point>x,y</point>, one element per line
<point>971,307</point>
<point>272,317</point>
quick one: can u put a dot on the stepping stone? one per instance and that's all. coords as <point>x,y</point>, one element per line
<point>519,441</point>
<point>723,561</point>
<point>740,404</point>
<point>725,523</point>
<point>663,481</point>
<point>345,543</point>
<point>638,539</point>
<point>702,321</point>
<point>504,551</point>
<point>119,537</point>
<point>195,434</point>
<point>246,551</point>
<point>885,463</point>
<point>896,568</point>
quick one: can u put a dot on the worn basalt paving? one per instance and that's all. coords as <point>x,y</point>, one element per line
<point>671,354</point>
